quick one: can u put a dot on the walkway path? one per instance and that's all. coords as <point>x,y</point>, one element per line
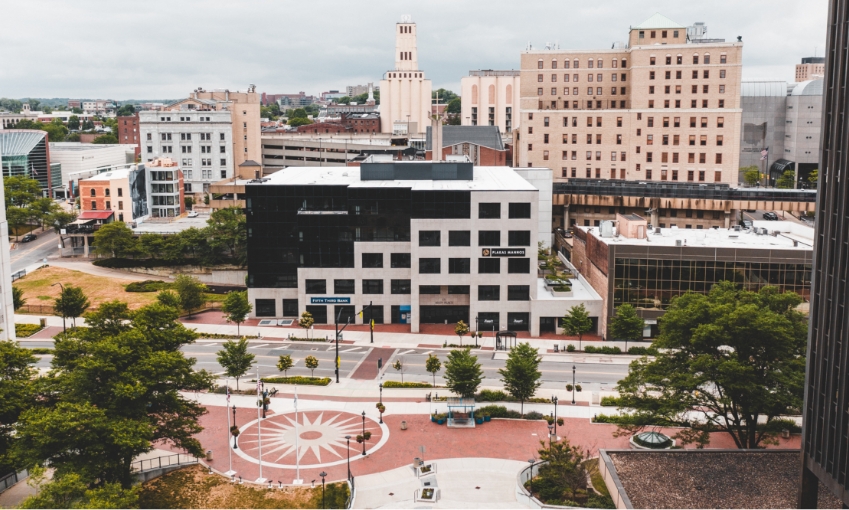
<point>368,368</point>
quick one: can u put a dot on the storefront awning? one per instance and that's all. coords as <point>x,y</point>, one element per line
<point>95,215</point>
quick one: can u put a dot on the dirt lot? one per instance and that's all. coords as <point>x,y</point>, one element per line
<point>38,291</point>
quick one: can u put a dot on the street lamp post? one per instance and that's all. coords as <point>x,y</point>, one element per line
<point>322,475</point>
<point>573,384</point>
<point>381,393</point>
<point>235,444</point>
<point>348,439</point>
<point>364,432</point>
<point>550,435</point>
<point>554,400</point>
<point>63,291</point>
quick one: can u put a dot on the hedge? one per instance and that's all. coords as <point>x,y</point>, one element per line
<point>309,381</point>
<point>148,286</point>
<point>300,339</point>
<point>41,350</point>
<point>610,401</point>
<point>602,350</point>
<point>501,396</point>
<point>396,384</point>
<point>642,351</point>
<point>26,330</point>
<point>503,412</point>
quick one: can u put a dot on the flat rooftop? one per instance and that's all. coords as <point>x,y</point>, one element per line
<point>789,234</point>
<point>709,478</point>
<point>121,173</point>
<point>486,178</point>
<point>152,226</point>
<point>77,146</point>
<point>579,291</point>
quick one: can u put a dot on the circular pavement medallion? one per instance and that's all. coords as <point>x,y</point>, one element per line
<point>317,439</point>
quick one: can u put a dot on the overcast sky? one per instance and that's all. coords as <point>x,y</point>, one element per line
<point>164,49</point>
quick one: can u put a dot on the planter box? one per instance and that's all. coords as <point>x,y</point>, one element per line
<point>560,294</point>
<point>440,422</point>
<point>487,418</point>
<point>479,421</point>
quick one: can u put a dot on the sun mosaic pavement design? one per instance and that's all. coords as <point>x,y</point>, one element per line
<point>320,438</point>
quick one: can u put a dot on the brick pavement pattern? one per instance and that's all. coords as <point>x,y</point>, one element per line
<point>368,368</point>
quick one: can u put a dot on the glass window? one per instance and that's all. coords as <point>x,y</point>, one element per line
<point>343,286</point>
<point>429,238</point>
<point>265,308</point>
<point>489,238</point>
<point>372,286</point>
<point>489,293</point>
<point>316,286</point>
<point>518,293</point>
<point>372,260</point>
<point>459,238</point>
<point>400,286</point>
<point>519,238</point>
<point>399,260</point>
<point>458,289</point>
<point>489,210</point>
<point>516,265</point>
<point>489,265</point>
<point>429,289</point>
<point>429,266</point>
<point>519,210</point>
<point>319,313</point>
<point>459,266</point>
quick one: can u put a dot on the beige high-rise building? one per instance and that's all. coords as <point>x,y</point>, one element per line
<point>405,94</point>
<point>662,108</point>
<point>491,98</point>
<point>811,68</point>
<point>244,108</point>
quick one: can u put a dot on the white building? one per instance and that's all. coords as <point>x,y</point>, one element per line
<point>491,98</point>
<point>200,141</point>
<point>76,157</point>
<point>7,306</point>
<point>420,242</point>
<point>405,100</point>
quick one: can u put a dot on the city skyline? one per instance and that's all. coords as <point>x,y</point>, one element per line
<point>175,50</point>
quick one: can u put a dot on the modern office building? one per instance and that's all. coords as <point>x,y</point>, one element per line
<point>825,434</point>
<point>76,157</point>
<point>26,152</point>
<point>664,108</point>
<point>811,68</point>
<point>405,94</point>
<point>491,98</point>
<point>422,242</point>
<point>208,133</point>
<point>626,262</point>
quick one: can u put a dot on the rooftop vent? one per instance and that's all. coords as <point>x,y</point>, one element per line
<point>679,243</point>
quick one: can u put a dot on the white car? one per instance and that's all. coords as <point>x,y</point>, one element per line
<point>193,214</point>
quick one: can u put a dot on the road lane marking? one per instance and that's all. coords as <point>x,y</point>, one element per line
<point>257,346</point>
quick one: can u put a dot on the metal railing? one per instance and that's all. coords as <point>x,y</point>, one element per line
<point>350,501</point>
<point>18,275</point>
<point>680,190</point>
<point>37,309</point>
<point>178,459</point>
<point>12,478</point>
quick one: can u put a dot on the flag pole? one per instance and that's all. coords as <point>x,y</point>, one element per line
<point>259,424</point>
<point>297,480</point>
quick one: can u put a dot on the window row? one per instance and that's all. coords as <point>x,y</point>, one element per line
<point>691,157</point>
<point>576,63</point>
<point>694,89</point>
<point>678,74</point>
<point>575,77</point>
<point>463,238</point>
<point>679,59</point>
<point>694,103</point>
<point>166,137</point>
<point>676,122</point>
<point>348,286</point>
<point>486,265</point>
<point>676,140</point>
<point>691,175</point>
<point>591,91</point>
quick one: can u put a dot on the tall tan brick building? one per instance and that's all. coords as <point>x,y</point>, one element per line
<point>666,107</point>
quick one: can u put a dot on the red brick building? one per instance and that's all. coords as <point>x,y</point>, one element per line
<point>320,128</point>
<point>362,122</point>
<point>128,132</point>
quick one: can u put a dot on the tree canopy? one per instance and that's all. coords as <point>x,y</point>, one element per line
<point>71,303</point>
<point>737,355</point>
<point>626,324</point>
<point>235,359</point>
<point>521,375</point>
<point>445,96</point>
<point>463,374</point>
<point>190,290</point>
<point>577,322</point>
<point>751,174</point>
<point>236,307</point>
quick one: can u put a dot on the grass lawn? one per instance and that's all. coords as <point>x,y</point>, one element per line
<point>193,487</point>
<point>38,291</point>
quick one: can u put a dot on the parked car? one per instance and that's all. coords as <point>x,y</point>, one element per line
<point>193,214</point>
<point>747,224</point>
<point>28,237</point>
<point>771,216</point>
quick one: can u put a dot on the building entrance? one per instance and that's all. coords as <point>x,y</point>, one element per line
<point>443,314</point>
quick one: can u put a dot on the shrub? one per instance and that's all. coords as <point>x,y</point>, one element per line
<point>610,402</point>
<point>310,381</point>
<point>41,350</point>
<point>778,424</point>
<point>446,345</point>
<point>396,384</point>
<point>299,339</point>
<point>497,412</point>
<point>560,422</point>
<point>222,336</point>
<point>568,387</point>
<point>642,351</point>
<point>492,396</point>
<point>148,286</point>
<point>533,415</point>
<point>570,348</point>
<point>602,350</point>
<point>562,288</point>
<point>578,387</point>
<point>26,330</point>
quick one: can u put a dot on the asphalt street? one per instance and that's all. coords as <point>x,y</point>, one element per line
<point>27,254</point>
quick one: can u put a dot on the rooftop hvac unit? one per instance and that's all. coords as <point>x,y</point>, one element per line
<point>679,243</point>
<point>764,231</point>
<point>737,228</point>
<point>775,233</point>
<point>657,230</point>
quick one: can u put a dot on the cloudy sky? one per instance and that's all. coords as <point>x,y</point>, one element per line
<point>164,49</point>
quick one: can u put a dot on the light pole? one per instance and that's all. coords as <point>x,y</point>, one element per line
<point>364,433</point>
<point>348,439</point>
<point>550,435</point>
<point>63,291</point>
<point>554,400</point>
<point>573,384</point>
<point>235,445</point>
<point>322,475</point>
<point>381,393</point>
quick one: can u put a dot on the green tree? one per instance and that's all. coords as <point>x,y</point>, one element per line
<point>76,110</point>
<point>20,190</point>
<point>169,298</point>
<point>235,359</point>
<point>297,113</point>
<point>454,106</point>
<point>751,174</point>
<point>787,180</point>
<point>306,321</point>
<point>311,362</point>
<point>190,291</point>
<point>18,218</point>
<point>106,139</point>
<point>563,475</point>
<point>399,367</point>
<point>343,100</point>
<point>285,363</point>
<point>42,209</point>
<point>115,239</point>
<point>87,124</point>
<point>73,123</point>
<point>71,491</point>
<point>227,234</point>
<point>577,322</point>
<point>16,394</point>
<point>737,356</point>
<point>813,178</point>
<point>188,202</point>
<point>72,137</point>
<point>463,374</point>
<point>433,365</point>
<point>236,307</point>
<point>60,219</point>
<point>18,297</point>
<point>626,325</point>
<point>444,96</point>
<point>126,110</point>
<point>461,329</point>
<point>56,131</point>
<point>71,303</point>
<point>299,121</point>
<point>521,375</point>
<point>33,104</point>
